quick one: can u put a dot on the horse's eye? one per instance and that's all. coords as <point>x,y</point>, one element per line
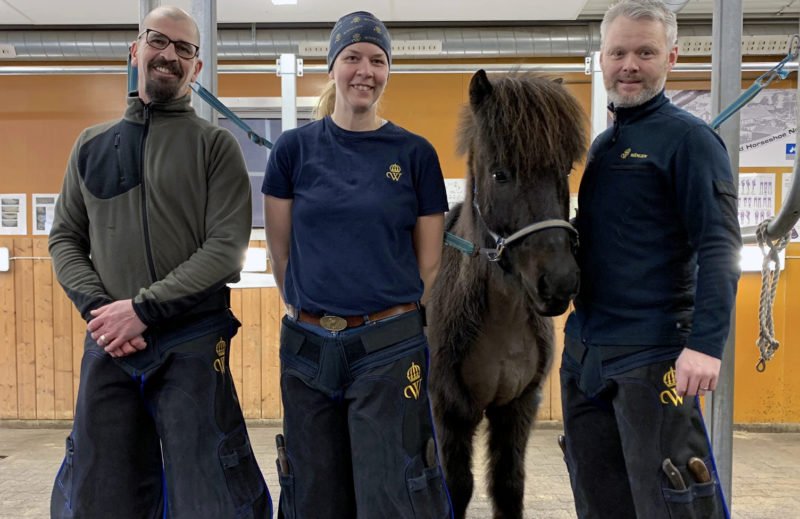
<point>500,177</point>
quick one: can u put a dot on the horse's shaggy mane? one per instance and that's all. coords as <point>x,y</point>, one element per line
<point>531,121</point>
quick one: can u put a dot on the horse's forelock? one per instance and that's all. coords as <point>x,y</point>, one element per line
<point>529,123</point>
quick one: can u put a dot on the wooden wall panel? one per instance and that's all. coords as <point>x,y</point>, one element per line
<point>62,352</point>
<point>271,314</point>
<point>236,360</point>
<point>25,329</point>
<point>78,338</point>
<point>251,316</point>
<point>8,344</point>
<point>43,331</point>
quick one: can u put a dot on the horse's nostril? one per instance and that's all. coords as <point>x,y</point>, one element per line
<point>543,286</point>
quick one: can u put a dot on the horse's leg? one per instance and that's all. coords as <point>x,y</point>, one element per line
<point>456,443</point>
<point>455,430</point>
<point>509,430</point>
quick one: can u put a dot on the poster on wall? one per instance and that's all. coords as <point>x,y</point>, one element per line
<point>785,188</point>
<point>13,219</point>
<point>756,198</point>
<point>43,207</point>
<point>455,190</point>
<point>768,124</point>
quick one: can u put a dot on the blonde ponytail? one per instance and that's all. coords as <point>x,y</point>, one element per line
<point>326,102</point>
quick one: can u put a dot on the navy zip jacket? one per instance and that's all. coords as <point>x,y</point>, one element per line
<point>659,236</point>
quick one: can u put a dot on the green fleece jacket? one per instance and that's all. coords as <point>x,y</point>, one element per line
<point>154,207</point>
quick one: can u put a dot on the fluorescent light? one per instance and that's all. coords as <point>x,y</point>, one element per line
<point>284,2</point>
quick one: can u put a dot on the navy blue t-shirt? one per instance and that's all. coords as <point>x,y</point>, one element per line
<point>356,197</point>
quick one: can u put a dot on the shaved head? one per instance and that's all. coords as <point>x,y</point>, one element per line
<point>175,14</point>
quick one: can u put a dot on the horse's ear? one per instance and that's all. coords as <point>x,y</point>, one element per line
<point>558,80</point>
<point>479,88</point>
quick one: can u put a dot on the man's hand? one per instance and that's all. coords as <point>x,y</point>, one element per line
<point>117,328</point>
<point>696,372</point>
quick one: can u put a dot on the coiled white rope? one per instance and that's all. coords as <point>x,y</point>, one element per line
<point>770,273</point>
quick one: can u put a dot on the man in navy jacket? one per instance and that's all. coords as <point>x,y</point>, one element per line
<point>659,269</point>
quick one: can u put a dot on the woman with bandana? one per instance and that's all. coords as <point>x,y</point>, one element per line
<point>354,210</point>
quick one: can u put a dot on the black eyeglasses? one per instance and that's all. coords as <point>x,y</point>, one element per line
<point>159,41</point>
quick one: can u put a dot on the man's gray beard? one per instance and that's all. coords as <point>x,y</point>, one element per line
<point>160,91</point>
<point>621,101</point>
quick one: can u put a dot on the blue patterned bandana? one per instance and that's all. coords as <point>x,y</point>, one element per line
<point>358,27</point>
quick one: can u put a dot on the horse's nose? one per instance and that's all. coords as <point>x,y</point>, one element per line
<point>563,286</point>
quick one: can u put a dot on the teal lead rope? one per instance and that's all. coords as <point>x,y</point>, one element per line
<point>465,246</point>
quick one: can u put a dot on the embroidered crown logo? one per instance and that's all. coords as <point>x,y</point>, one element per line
<point>377,29</point>
<point>625,154</point>
<point>356,37</point>
<point>219,362</point>
<point>670,379</point>
<point>356,19</point>
<point>670,395</point>
<point>414,375</point>
<point>394,173</point>
<point>338,37</point>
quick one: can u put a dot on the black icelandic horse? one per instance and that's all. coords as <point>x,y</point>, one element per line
<point>490,332</point>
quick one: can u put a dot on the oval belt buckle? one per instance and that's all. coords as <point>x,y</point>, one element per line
<point>333,323</point>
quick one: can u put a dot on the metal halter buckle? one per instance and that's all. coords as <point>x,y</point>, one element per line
<point>333,323</point>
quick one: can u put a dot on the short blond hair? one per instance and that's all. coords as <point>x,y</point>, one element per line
<point>653,10</point>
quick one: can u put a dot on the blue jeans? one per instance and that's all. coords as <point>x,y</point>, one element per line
<point>357,422</point>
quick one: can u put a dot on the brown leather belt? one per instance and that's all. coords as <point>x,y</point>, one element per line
<point>335,323</point>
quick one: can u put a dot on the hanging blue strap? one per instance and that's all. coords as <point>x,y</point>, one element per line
<point>457,242</point>
<point>209,98</point>
<point>763,81</point>
<point>217,105</point>
<point>133,75</point>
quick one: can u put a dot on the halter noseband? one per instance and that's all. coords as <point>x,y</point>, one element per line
<point>501,242</point>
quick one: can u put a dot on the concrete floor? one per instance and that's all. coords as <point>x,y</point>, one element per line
<point>766,469</point>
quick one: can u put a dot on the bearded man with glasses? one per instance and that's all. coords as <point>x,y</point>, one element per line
<point>151,225</point>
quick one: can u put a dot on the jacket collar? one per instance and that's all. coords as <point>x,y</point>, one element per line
<point>136,107</point>
<point>631,113</point>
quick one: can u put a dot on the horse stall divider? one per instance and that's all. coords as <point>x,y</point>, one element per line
<point>271,313</point>
<point>8,347</point>
<point>43,330</point>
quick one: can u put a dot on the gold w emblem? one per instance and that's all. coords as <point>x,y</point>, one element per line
<point>219,362</point>
<point>395,172</point>
<point>414,375</point>
<point>670,395</point>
